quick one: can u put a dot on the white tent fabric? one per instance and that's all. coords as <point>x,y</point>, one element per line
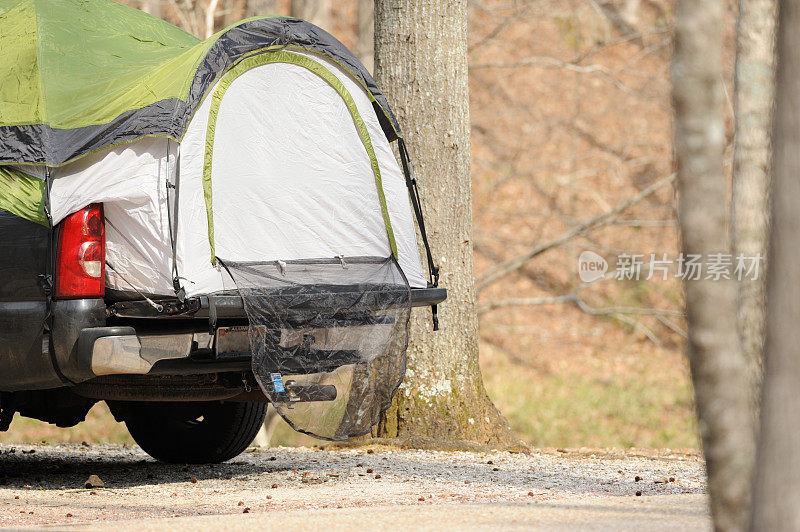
<point>130,182</point>
<point>278,168</point>
<point>290,180</point>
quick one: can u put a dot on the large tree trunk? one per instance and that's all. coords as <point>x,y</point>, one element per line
<point>315,11</point>
<point>754,92</point>
<point>421,64</point>
<point>365,34</point>
<point>777,490</point>
<point>718,367</point>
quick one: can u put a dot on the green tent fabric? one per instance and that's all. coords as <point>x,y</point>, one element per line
<point>68,67</point>
<point>23,195</point>
<point>81,75</point>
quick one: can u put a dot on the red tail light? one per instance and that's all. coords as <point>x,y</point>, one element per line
<point>81,266</point>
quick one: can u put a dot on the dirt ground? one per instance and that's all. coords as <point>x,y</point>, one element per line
<point>302,488</point>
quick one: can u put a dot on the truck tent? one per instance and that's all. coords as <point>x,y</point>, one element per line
<point>273,126</point>
<point>258,159</point>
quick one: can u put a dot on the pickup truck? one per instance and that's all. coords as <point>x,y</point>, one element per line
<point>66,343</point>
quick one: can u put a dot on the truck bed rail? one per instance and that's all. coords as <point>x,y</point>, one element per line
<point>227,305</point>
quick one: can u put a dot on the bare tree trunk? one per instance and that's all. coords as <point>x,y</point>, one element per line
<point>211,13</point>
<point>315,11</point>
<point>777,490</point>
<point>421,64</point>
<point>256,8</point>
<point>365,34</point>
<point>753,99</point>
<point>718,367</point>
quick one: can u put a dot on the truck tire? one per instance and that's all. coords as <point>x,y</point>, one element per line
<point>194,433</point>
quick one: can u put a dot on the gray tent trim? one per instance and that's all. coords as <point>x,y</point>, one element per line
<point>42,144</point>
<point>284,31</point>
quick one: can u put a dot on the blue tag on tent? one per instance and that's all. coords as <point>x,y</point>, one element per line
<point>277,382</point>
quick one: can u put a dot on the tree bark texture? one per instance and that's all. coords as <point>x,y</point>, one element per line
<point>777,490</point>
<point>421,65</point>
<point>753,101</point>
<point>717,365</point>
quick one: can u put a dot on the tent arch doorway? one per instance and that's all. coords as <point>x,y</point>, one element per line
<point>315,95</point>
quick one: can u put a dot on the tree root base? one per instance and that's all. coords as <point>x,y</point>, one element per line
<point>429,444</point>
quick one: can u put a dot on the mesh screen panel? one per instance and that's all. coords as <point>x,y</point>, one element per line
<point>328,338</point>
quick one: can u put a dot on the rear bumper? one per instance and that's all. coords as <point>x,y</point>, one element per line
<point>179,344</point>
<point>121,351</point>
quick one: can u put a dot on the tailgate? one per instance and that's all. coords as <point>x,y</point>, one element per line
<point>229,305</point>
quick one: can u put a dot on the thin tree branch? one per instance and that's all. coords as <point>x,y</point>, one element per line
<point>503,269</point>
<point>552,62</point>
<point>622,314</point>
<point>645,223</point>
<point>527,302</point>
<point>626,310</point>
<point>622,40</point>
<point>505,23</point>
<point>637,325</point>
<point>673,327</point>
<point>581,304</point>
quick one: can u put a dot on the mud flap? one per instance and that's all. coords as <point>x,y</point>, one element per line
<point>328,338</point>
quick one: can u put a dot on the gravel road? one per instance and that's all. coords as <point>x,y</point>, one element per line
<point>340,488</point>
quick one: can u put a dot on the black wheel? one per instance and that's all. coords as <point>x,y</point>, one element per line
<point>193,433</point>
